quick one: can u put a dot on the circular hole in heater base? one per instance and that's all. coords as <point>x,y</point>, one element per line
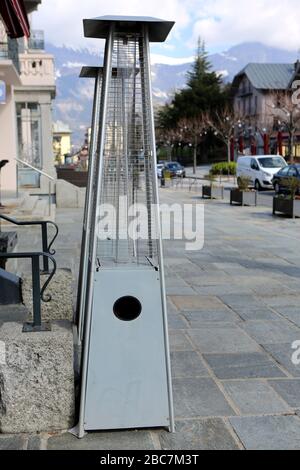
<point>127,308</point>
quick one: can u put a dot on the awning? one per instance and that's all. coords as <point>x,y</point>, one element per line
<point>15,18</point>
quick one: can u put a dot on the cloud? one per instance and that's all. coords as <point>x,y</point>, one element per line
<point>220,22</point>
<point>274,23</point>
<point>62,19</point>
<point>162,59</point>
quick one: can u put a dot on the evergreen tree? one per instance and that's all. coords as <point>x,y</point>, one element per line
<point>204,92</point>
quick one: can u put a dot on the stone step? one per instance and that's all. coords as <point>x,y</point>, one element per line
<point>13,313</point>
<point>41,208</point>
<point>29,204</point>
<point>40,212</point>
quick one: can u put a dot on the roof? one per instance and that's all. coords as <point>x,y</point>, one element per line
<point>268,76</point>
<point>99,27</point>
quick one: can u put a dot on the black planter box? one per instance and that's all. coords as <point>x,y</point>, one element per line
<point>213,192</point>
<point>243,198</point>
<point>8,241</point>
<point>289,207</point>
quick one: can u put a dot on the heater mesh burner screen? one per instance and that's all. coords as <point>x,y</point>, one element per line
<point>128,176</point>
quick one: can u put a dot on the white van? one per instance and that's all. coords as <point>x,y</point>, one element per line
<point>260,169</point>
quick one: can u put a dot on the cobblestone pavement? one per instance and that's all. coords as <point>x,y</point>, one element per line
<point>233,316</point>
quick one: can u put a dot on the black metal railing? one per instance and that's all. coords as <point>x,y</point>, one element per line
<point>46,246</point>
<point>10,50</point>
<point>38,293</point>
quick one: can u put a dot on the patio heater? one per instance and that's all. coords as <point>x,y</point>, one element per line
<point>125,370</point>
<point>95,73</point>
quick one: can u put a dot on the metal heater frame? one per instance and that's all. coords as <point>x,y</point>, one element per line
<point>97,74</point>
<point>156,31</point>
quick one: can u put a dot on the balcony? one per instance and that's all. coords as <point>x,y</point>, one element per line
<point>37,70</point>
<point>9,51</point>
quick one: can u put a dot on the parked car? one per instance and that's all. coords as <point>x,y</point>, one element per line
<point>260,169</point>
<point>175,169</point>
<point>159,169</point>
<point>280,180</point>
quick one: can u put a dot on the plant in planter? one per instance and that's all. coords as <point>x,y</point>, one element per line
<point>243,195</point>
<point>212,191</point>
<point>288,204</point>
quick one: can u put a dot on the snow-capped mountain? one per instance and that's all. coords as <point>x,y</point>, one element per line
<point>75,95</point>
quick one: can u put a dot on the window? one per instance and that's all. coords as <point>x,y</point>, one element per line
<point>272,162</point>
<point>29,133</point>
<point>284,171</point>
<point>293,172</point>
<point>29,143</point>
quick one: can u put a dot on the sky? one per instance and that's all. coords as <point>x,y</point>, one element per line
<point>221,23</point>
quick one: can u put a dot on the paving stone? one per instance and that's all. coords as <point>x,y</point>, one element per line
<point>183,290</point>
<point>116,440</point>
<point>291,313</point>
<point>282,353</point>
<point>256,313</point>
<point>179,342</point>
<point>255,397</point>
<point>282,301</point>
<point>221,290</point>
<point>203,279</point>
<point>289,390</point>
<point>197,302</point>
<point>222,338</point>
<point>265,332</point>
<point>187,364</point>
<point>196,319</point>
<point>10,442</point>
<point>199,397</point>
<point>237,300</point>
<point>206,434</point>
<point>171,309</point>
<point>268,432</point>
<point>243,366</point>
<point>176,322</point>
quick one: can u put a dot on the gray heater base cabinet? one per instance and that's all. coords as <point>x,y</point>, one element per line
<point>127,372</point>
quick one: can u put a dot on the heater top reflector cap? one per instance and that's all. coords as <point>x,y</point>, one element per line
<point>99,27</point>
<point>90,72</point>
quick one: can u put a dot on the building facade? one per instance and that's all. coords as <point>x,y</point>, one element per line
<point>62,146</point>
<point>256,91</point>
<point>26,115</point>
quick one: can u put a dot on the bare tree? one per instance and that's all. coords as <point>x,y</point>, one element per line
<point>167,137</point>
<point>287,114</point>
<point>225,125</point>
<point>193,131</point>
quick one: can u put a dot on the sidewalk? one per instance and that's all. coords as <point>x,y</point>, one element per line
<point>233,316</point>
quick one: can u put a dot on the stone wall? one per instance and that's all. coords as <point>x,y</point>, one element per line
<point>36,379</point>
<point>69,196</point>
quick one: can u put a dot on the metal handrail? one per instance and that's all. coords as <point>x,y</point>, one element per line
<point>41,173</point>
<point>38,293</point>
<point>44,226</point>
<point>35,169</point>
